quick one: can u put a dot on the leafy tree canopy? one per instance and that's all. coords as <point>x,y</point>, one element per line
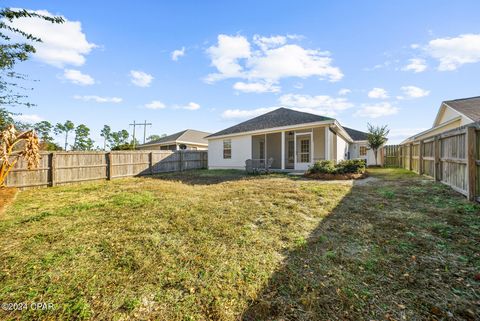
<point>82,139</point>
<point>376,137</point>
<point>12,51</point>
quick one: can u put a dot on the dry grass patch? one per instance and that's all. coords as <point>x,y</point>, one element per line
<point>156,248</point>
<point>219,245</point>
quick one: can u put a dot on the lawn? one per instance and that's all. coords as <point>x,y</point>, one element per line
<point>217,245</point>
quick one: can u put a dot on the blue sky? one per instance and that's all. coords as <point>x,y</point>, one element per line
<point>382,62</point>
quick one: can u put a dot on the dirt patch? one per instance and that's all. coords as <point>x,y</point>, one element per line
<point>7,195</point>
<point>336,177</point>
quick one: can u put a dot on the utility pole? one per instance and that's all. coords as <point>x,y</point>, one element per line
<point>135,124</point>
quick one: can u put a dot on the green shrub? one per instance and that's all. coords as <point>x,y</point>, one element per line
<point>352,166</point>
<point>322,167</point>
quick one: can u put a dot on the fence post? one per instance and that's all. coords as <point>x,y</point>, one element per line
<point>471,162</point>
<point>109,166</point>
<point>150,160</point>
<point>420,158</point>
<point>410,157</point>
<point>436,162</point>
<point>53,169</point>
<point>180,157</point>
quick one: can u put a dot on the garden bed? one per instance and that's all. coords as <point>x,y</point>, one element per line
<point>330,177</point>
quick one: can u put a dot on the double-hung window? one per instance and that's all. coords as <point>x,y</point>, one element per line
<point>227,149</point>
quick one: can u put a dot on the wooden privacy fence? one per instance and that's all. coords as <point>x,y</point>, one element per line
<point>452,157</point>
<point>69,167</point>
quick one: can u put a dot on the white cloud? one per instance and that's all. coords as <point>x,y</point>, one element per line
<point>256,87</point>
<point>412,92</point>
<point>225,56</point>
<point>155,104</point>
<point>266,43</point>
<point>397,135</point>
<point>269,59</point>
<point>377,110</point>
<point>455,52</point>
<point>344,91</point>
<point>243,114</point>
<point>405,132</point>
<point>62,44</point>
<point>191,106</point>
<point>99,99</point>
<point>414,46</point>
<point>77,77</point>
<point>178,53</point>
<point>140,78</point>
<point>378,93</point>
<point>416,65</point>
<point>321,104</point>
<point>292,61</point>
<point>28,118</point>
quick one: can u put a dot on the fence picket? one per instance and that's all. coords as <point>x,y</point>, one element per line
<point>69,167</point>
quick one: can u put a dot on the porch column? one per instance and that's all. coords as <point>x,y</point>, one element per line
<point>327,143</point>
<point>283,150</point>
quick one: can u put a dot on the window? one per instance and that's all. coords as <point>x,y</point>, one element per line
<point>363,150</point>
<point>262,149</point>
<point>305,151</point>
<point>227,149</point>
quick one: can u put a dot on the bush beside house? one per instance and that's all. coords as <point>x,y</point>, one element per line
<point>347,169</point>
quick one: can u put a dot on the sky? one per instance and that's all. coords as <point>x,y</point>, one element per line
<point>208,65</point>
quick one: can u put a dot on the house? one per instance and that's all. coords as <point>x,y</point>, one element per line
<point>295,140</point>
<point>187,139</point>
<point>451,114</point>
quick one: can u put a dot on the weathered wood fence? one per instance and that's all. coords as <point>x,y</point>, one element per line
<point>452,158</point>
<point>69,167</point>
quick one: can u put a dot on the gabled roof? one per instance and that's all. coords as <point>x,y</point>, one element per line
<point>188,135</point>
<point>356,134</point>
<point>469,107</point>
<point>277,118</point>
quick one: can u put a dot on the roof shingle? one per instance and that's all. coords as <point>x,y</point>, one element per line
<point>188,135</point>
<point>356,134</point>
<point>277,118</point>
<point>470,107</point>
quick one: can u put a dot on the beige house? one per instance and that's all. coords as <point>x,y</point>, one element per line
<point>452,114</point>
<point>295,140</point>
<point>188,139</point>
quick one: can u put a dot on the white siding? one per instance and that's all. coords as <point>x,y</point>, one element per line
<point>342,148</point>
<point>241,151</point>
<point>448,114</point>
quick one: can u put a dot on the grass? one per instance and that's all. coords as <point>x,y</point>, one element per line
<point>205,245</point>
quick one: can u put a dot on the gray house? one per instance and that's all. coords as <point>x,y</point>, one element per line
<point>186,139</point>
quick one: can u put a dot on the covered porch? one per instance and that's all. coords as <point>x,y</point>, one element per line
<point>294,149</point>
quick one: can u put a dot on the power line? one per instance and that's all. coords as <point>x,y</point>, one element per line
<point>135,124</point>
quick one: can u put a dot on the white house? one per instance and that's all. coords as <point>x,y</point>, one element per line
<point>295,140</point>
<point>451,114</point>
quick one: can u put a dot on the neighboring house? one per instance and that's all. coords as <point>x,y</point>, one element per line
<point>295,140</point>
<point>452,114</point>
<point>187,139</point>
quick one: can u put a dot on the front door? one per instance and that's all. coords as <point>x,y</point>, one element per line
<point>303,148</point>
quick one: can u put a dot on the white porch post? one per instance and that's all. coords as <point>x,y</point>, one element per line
<point>266,157</point>
<point>283,150</point>
<point>312,143</point>
<point>327,143</point>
